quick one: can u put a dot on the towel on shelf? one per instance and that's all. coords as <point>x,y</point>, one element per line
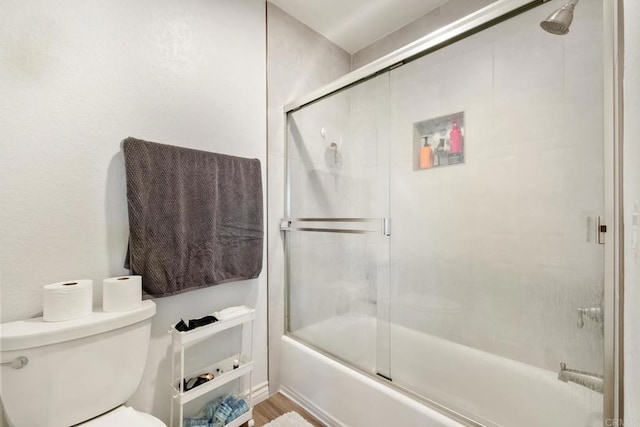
<point>231,312</point>
<point>195,217</point>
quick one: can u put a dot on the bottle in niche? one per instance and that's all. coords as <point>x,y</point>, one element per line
<point>441,153</point>
<point>425,153</point>
<point>455,138</point>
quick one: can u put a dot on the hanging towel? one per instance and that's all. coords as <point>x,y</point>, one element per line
<point>195,217</point>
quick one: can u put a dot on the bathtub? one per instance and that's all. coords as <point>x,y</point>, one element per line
<point>494,390</point>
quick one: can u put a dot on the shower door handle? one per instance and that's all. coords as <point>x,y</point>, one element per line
<point>375,225</point>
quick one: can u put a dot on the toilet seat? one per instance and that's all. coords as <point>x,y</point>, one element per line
<point>124,416</point>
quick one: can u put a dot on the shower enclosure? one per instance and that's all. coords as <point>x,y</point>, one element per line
<point>445,214</point>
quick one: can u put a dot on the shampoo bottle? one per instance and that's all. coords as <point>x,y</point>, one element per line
<point>455,138</point>
<point>425,153</point>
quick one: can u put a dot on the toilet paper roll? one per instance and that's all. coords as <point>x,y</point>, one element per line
<point>121,293</point>
<point>67,300</point>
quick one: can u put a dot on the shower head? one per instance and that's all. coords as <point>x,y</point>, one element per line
<point>560,20</point>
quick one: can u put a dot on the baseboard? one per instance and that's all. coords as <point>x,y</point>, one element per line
<point>260,392</point>
<point>310,407</point>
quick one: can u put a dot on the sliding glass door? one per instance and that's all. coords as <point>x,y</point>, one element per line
<point>337,247</point>
<point>443,229</point>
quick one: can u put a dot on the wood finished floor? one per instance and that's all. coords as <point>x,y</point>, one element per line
<point>277,405</point>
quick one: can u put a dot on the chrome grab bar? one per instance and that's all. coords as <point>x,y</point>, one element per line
<point>288,224</point>
<point>586,379</point>
<point>17,363</point>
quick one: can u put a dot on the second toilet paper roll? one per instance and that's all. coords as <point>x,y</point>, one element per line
<point>121,293</point>
<point>67,300</point>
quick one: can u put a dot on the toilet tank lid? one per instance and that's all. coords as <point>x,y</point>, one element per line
<point>23,334</point>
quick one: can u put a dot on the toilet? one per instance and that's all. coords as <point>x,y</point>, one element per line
<point>76,372</point>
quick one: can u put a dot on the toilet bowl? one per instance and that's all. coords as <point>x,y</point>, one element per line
<point>124,416</point>
<point>75,371</point>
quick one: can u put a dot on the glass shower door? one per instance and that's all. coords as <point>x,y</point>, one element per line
<point>484,298</point>
<point>337,248</point>
<point>496,187</point>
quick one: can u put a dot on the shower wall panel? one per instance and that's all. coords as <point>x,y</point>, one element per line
<point>498,253</point>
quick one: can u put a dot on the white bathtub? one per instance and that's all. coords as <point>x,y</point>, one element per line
<point>496,390</point>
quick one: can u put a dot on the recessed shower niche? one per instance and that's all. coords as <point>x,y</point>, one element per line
<point>438,142</point>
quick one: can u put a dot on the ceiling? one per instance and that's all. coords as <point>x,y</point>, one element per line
<point>355,24</point>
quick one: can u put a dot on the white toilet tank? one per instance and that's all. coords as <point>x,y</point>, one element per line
<point>76,369</point>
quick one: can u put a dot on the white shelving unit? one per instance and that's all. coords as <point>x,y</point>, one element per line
<point>182,340</point>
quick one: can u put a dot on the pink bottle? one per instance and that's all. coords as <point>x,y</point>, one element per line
<point>455,139</point>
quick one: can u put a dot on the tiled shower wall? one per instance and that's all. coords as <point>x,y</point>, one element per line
<point>498,253</point>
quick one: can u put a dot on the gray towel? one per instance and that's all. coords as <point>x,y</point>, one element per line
<point>195,217</point>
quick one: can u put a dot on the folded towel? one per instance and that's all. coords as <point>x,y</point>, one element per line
<point>195,217</point>
<point>231,312</point>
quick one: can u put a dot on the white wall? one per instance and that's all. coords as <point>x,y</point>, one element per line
<point>78,77</point>
<point>631,199</point>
